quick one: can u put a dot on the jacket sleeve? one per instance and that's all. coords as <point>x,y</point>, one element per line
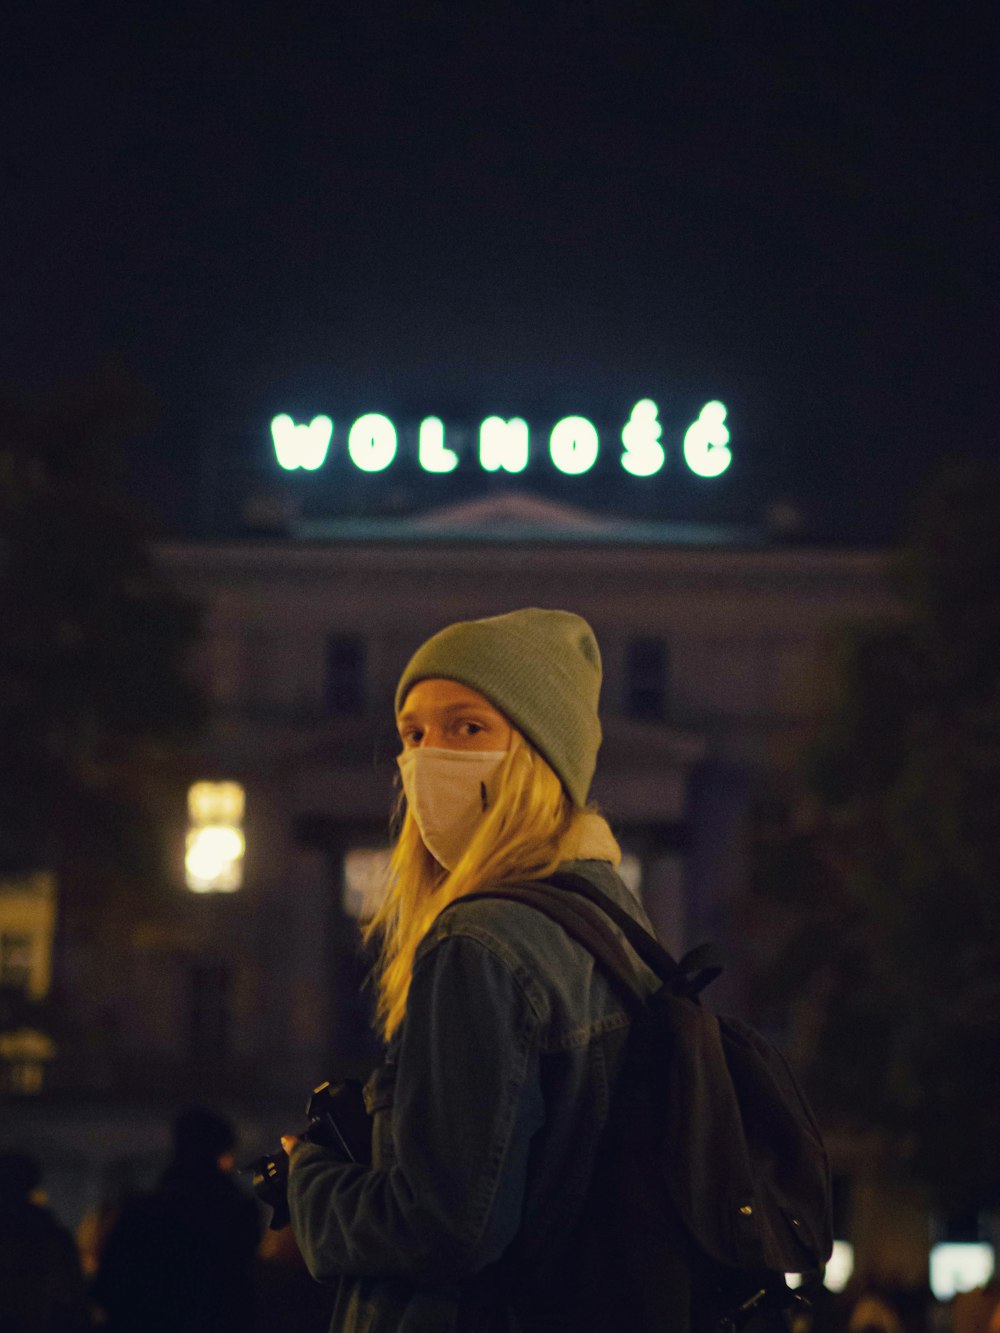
<point>467,1102</point>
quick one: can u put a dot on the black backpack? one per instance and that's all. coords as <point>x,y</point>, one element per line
<point>711,1182</point>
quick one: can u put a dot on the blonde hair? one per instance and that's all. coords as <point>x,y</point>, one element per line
<point>521,837</point>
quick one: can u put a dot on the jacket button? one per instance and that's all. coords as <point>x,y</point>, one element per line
<point>746,1209</point>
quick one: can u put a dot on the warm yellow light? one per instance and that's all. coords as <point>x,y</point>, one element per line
<point>27,928</point>
<point>214,858</point>
<point>215,842</point>
<point>216,803</point>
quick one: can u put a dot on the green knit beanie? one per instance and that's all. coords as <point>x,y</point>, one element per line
<point>541,669</point>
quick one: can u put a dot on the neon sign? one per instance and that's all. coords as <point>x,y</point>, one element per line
<point>574,443</point>
<point>706,443</point>
<point>301,446</point>
<point>644,454</point>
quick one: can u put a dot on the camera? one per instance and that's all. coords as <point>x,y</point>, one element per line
<point>337,1119</point>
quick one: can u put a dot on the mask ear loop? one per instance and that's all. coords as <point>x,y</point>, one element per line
<point>518,747</point>
<point>397,811</point>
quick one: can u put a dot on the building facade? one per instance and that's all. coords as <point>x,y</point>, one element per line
<point>718,668</point>
<point>719,661</point>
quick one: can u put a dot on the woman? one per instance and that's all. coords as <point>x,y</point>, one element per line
<point>503,1039</point>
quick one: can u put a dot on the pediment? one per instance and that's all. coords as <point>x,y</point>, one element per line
<point>517,509</point>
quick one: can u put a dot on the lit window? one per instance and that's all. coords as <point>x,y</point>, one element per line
<point>215,842</point>
<point>23,1057</point>
<point>630,872</point>
<point>366,876</point>
<point>839,1266</point>
<point>646,663</point>
<point>838,1270</point>
<point>960,1267</point>
<point>16,956</point>
<point>27,926</point>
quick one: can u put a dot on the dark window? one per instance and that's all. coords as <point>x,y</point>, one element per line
<point>646,673</point>
<point>345,675</point>
<point>15,961</point>
<point>208,1012</point>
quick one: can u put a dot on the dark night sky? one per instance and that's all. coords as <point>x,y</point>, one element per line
<point>535,209</point>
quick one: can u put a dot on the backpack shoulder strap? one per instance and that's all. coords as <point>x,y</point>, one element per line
<point>579,922</point>
<point>690,976</point>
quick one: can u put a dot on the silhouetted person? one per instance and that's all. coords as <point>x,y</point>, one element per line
<point>41,1285</point>
<point>181,1259</point>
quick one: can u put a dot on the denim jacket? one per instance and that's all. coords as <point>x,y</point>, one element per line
<point>486,1118</point>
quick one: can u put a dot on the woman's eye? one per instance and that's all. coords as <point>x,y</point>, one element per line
<point>472,728</point>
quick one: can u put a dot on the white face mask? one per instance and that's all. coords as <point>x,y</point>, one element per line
<point>448,792</point>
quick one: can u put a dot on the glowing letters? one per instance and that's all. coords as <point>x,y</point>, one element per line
<point>504,444</point>
<point>431,450</point>
<point>644,454</point>
<point>573,445</point>
<point>372,442</point>
<point>705,444</point>
<point>301,446</point>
